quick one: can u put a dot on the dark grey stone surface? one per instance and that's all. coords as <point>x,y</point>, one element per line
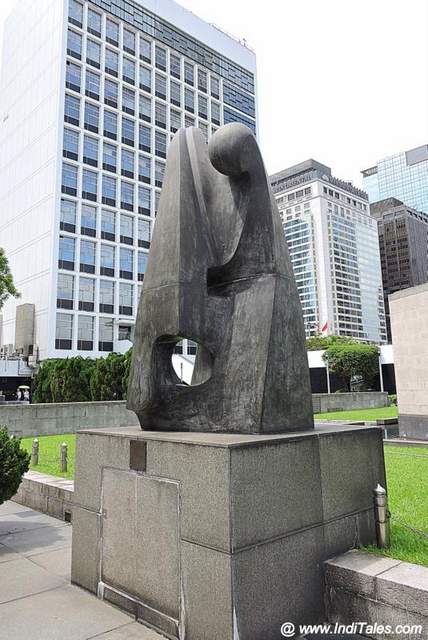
<point>413,426</point>
<point>219,273</point>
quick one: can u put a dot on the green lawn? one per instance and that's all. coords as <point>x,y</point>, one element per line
<point>49,454</point>
<point>359,414</point>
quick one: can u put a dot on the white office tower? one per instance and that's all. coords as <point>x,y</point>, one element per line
<point>91,94</point>
<point>334,249</point>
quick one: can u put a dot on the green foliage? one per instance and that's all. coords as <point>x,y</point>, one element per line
<point>14,462</point>
<point>353,361</point>
<point>82,379</point>
<point>50,454</point>
<point>7,288</point>
<point>319,342</point>
<point>392,397</point>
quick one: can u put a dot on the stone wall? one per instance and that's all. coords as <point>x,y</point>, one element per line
<point>409,327</point>
<point>68,417</point>
<point>324,402</point>
<point>362,587</point>
<point>47,494</point>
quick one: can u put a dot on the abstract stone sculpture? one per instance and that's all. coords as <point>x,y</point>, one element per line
<point>219,273</point>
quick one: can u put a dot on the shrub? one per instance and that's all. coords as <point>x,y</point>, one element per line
<point>392,399</point>
<point>14,462</point>
<point>319,342</point>
<point>107,377</point>
<point>353,361</point>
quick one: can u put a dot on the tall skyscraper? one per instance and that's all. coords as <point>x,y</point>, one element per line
<point>403,241</point>
<point>403,176</point>
<point>334,249</point>
<point>91,94</point>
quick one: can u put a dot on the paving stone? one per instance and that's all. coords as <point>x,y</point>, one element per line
<point>57,562</point>
<point>21,578</point>
<point>7,554</point>
<point>24,521</point>
<point>132,631</point>
<point>45,538</point>
<point>11,507</point>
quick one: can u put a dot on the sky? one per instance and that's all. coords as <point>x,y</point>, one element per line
<point>341,81</point>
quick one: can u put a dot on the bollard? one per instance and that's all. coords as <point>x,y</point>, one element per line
<point>382,516</point>
<point>35,453</point>
<point>64,457</point>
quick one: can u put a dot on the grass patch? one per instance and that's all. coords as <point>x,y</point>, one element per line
<point>49,454</point>
<point>360,414</point>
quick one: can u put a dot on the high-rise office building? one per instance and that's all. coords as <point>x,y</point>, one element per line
<point>403,176</point>
<point>403,242</point>
<point>91,94</point>
<point>334,250</point>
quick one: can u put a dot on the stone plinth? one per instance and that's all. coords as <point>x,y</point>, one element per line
<point>209,536</point>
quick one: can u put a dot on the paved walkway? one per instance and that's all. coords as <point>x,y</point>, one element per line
<point>37,601</point>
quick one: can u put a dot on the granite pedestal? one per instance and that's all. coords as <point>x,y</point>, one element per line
<point>220,536</point>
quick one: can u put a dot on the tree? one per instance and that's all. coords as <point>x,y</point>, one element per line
<point>319,342</point>
<point>353,361</point>
<point>14,462</point>
<point>107,377</point>
<point>127,368</point>
<point>7,288</point>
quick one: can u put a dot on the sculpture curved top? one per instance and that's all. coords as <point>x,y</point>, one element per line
<point>219,273</point>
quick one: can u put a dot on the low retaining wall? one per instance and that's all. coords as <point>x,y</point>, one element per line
<point>324,402</point>
<point>47,494</point>
<point>66,417</point>
<point>413,426</point>
<point>361,587</point>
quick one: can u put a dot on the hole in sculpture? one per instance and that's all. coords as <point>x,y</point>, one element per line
<point>192,362</point>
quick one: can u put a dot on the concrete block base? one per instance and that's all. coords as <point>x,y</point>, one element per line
<point>214,536</point>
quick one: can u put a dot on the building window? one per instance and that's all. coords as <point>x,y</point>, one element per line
<point>124,332</point>
<point>109,190</point>
<point>111,64</point>
<point>93,53</point>
<point>70,147</point>
<point>159,173</point>
<point>215,87</point>
<point>73,76</point>
<point>105,334</point>
<point>127,163</point>
<point>204,128</point>
<point>144,232</point>
<point>160,115</point>
<point>215,113</point>
<point>160,144</point>
<point>144,169</point>
<point>91,117</point>
<point>189,121</point>
<point>202,107</point>
<point>126,294</point>
<point>202,80</point>
<point>128,101</point>
<point>145,108</point>
<point>174,65</point>
<point>87,256</point>
<point>128,70</point>
<point>75,13</point>
<point>85,333</point>
<point>110,125</point>
<point>66,253</point>
<point>143,200</point>
<point>106,296</point>
<point>157,200</point>
<point>160,86</point>
<point>67,216</point>
<point>92,85</point>
<point>88,221</point>
<point>111,92</point>
<point>145,79</point>
<point>175,93</point>
<point>127,195</point>
<point>65,291</point>
<point>90,151</point>
<point>69,179</point>
<point>89,184</point>
<point>126,264</point>
<point>145,50</point>
<point>189,74</point>
<point>160,57</point>
<point>174,120</point>
<point>86,294</point>
<point>112,32</point>
<point>142,264</point>
<point>128,132</point>
<point>189,100</point>
<point>108,225</point>
<point>64,331</point>
<point>94,23</point>
<point>72,110</point>
<point>144,138</point>
<point>107,260</point>
<point>109,157</point>
<point>74,44</point>
<point>129,41</point>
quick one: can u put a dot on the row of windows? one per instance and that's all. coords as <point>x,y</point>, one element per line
<point>93,295</point>
<point>86,329</point>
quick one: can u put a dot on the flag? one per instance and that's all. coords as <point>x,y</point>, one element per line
<point>325,327</point>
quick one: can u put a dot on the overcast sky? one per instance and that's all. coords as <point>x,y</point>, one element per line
<point>342,81</point>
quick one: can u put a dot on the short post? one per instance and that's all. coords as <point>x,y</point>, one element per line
<point>64,456</point>
<point>35,453</point>
<point>382,516</point>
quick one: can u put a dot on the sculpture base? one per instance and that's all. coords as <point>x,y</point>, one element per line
<point>220,536</point>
